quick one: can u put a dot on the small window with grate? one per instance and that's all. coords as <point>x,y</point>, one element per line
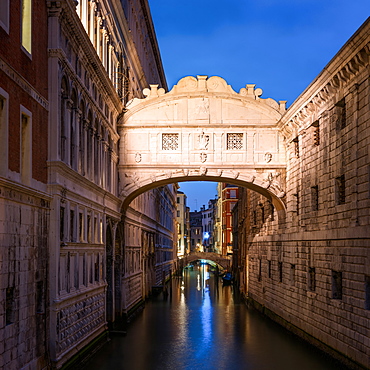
<point>311,279</point>
<point>341,113</point>
<point>234,141</point>
<point>269,268</point>
<point>259,269</point>
<point>170,141</point>
<point>316,133</point>
<point>367,292</point>
<point>9,306</point>
<point>315,198</point>
<point>292,274</point>
<point>340,190</point>
<point>336,284</point>
<point>296,205</point>
<point>280,269</point>
<point>296,147</point>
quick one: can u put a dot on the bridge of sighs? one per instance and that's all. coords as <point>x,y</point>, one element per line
<point>203,130</point>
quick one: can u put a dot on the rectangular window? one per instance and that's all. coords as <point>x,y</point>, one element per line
<point>40,297</point>
<point>81,227</point>
<point>316,133</point>
<point>96,267</point>
<point>96,240</point>
<point>292,274</point>
<point>315,198</point>
<point>101,231</point>
<point>232,193</point>
<point>296,203</point>
<point>76,272</point>
<point>367,292</point>
<point>61,223</point>
<point>72,225</point>
<point>271,209</point>
<point>269,267</point>
<point>280,266</point>
<point>170,141</point>
<point>296,147</point>
<point>178,200</point>
<point>84,271</point>
<point>89,229</point>
<point>336,284</point>
<point>4,15</point>
<point>340,190</point>
<point>254,218</point>
<point>27,25</point>
<point>9,306</point>
<point>234,141</point>
<point>26,146</point>
<point>311,279</point>
<point>178,213</point>
<point>259,269</point>
<point>340,111</point>
<point>3,131</point>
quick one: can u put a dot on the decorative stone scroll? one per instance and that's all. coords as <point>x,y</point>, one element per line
<point>138,157</point>
<point>268,157</point>
<point>203,141</point>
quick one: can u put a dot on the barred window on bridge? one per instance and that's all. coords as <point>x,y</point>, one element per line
<point>234,141</point>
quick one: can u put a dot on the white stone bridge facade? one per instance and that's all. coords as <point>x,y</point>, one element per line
<point>203,130</point>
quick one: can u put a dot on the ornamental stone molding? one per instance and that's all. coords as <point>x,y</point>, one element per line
<point>202,130</point>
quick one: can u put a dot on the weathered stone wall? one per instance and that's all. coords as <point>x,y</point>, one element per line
<point>311,271</point>
<point>149,247</point>
<point>24,219</point>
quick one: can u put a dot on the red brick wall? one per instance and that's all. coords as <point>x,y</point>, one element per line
<point>35,71</point>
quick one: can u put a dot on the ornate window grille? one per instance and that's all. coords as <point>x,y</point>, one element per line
<point>234,141</point>
<point>170,141</point>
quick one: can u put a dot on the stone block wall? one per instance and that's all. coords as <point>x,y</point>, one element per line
<point>311,270</point>
<point>24,218</point>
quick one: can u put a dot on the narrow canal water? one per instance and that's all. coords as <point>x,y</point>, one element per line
<point>204,325</point>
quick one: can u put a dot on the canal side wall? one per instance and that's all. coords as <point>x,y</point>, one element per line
<point>304,335</point>
<point>310,268</point>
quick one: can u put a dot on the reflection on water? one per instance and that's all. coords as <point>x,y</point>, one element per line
<point>203,325</point>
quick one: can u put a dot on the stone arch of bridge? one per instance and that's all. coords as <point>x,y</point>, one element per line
<point>262,185</point>
<point>202,130</point>
<point>209,256</point>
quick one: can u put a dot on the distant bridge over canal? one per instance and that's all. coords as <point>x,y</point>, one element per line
<point>223,261</point>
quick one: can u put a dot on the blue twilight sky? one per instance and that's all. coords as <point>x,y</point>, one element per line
<point>279,45</point>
